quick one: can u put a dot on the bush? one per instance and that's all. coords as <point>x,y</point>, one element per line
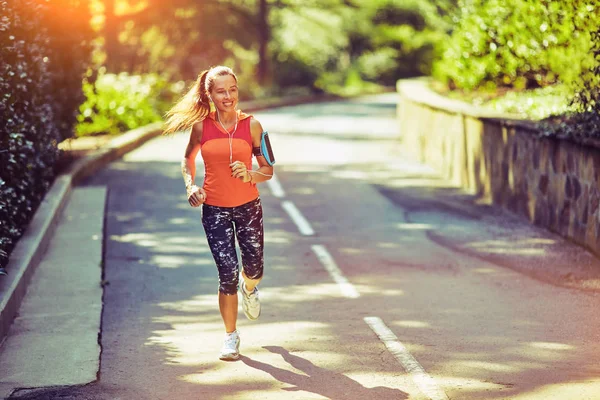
<point>516,43</point>
<point>583,122</point>
<point>117,103</point>
<point>44,52</point>
<point>405,38</point>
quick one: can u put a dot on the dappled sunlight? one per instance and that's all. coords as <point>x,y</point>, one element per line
<point>169,245</point>
<point>551,346</point>
<point>263,374</point>
<point>278,236</point>
<point>427,183</point>
<point>513,251</point>
<point>192,247</point>
<point>248,388</point>
<point>304,191</point>
<point>378,291</point>
<point>497,246</point>
<point>192,341</point>
<point>412,324</point>
<point>487,366</point>
<point>282,267</point>
<point>129,216</point>
<point>415,226</point>
<point>275,221</point>
<point>195,304</point>
<point>486,270</point>
<point>183,205</point>
<point>388,245</point>
<point>350,175</point>
<point>536,353</point>
<point>178,221</point>
<point>171,261</point>
<point>538,241</point>
<point>350,250</point>
<point>308,169</point>
<point>302,293</point>
<point>580,390</point>
<point>141,239</point>
<point>453,383</point>
<point>182,240</point>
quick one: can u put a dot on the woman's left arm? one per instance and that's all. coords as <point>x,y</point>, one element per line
<point>265,171</point>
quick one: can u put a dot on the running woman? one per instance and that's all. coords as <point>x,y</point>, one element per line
<point>231,207</point>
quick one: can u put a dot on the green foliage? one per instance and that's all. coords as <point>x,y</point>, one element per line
<point>44,51</point>
<point>535,104</point>
<point>587,98</point>
<point>515,43</point>
<point>117,103</point>
<point>316,45</point>
<point>404,37</point>
<point>299,59</point>
<point>360,48</point>
<point>583,119</point>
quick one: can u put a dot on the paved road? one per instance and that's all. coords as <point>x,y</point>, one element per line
<point>404,290</point>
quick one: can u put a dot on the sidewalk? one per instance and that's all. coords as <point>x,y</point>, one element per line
<point>54,340</point>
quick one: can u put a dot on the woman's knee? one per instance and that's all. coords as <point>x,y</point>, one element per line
<point>253,273</point>
<point>228,288</point>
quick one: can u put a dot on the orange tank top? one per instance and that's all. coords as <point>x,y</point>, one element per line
<point>221,188</point>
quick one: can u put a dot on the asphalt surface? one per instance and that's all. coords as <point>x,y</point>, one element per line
<point>480,304</point>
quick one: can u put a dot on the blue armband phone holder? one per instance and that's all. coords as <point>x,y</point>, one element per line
<point>265,149</point>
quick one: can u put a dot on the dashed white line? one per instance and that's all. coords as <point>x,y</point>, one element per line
<point>275,186</point>
<point>421,378</point>
<point>328,262</point>
<point>296,216</point>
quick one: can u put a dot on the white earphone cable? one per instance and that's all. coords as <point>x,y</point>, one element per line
<point>229,135</point>
<point>230,138</point>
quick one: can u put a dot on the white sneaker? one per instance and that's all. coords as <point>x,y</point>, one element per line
<point>250,302</point>
<point>231,347</point>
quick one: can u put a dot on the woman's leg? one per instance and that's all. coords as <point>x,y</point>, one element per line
<point>218,225</point>
<point>228,305</point>
<point>250,235</point>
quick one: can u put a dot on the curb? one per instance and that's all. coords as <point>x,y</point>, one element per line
<point>30,249</point>
<point>32,246</point>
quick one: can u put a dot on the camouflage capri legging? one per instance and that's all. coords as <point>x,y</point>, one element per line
<point>222,225</point>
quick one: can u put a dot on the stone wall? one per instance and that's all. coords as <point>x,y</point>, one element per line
<point>553,183</point>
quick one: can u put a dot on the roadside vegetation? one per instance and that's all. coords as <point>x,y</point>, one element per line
<point>540,60</point>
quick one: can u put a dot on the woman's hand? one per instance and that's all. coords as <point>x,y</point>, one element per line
<point>239,170</point>
<point>196,196</point>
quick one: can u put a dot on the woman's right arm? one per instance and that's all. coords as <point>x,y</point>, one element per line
<point>196,195</point>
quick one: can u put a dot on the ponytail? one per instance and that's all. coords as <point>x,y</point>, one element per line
<point>193,107</point>
<point>204,100</point>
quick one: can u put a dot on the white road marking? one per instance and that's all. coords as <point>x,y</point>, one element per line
<point>275,186</point>
<point>421,378</point>
<point>328,262</point>
<point>296,216</point>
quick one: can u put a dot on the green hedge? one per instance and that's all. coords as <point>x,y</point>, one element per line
<point>517,43</point>
<point>116,103</point>
<point>44,51</point>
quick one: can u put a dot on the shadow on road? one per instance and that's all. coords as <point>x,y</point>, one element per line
<point>320,380</point>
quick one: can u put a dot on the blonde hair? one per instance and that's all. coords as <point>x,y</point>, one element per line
<point>194,106</point>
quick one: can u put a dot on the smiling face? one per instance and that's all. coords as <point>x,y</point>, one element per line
<point>224,93</point>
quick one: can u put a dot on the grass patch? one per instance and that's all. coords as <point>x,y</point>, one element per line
<point>535,104</point>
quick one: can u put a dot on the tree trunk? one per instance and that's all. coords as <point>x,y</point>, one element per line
<point>111,36</point>
<point>264,36</point>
